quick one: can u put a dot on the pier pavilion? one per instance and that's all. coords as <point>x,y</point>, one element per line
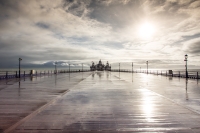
<point>100,66</point>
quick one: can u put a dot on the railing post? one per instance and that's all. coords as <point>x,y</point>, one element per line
<point>16,74</point>
<point>36,73</point>
<point>24,73</point>
<point>161,73</point>
<point>166,73</point>
<point>197,75</point>
<point>179,74</point>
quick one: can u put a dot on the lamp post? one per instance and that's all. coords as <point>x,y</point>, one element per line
<point>132,67</point>
<point>20,59</point>
<point>55,67</point>
<point>69,68</point>
<point>82,67</point>
<point>186,72</point>
<point>147,66</point>
<point>119,67</point>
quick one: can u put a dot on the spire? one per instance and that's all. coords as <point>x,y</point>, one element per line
<point>100,62</point>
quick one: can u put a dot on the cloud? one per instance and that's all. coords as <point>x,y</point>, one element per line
<point>77,8</point>
<point>42,32</point>
<point>42,25</point>
<point>192,46</point>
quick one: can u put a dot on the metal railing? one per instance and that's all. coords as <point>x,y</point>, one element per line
<point>182,74</point>
<point>23,74</point>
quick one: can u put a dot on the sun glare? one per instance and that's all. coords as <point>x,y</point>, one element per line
<point>146,30</point>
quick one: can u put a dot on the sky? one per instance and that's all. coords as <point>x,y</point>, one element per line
<point>43,32</point>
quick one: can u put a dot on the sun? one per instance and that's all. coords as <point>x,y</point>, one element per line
<point>146,30</point>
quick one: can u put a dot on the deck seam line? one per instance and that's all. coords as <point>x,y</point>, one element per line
<point>194,111</point>
<point>14,126</point>
<point>11,128</point>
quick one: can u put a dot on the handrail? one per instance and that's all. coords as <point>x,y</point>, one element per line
<point>15,74</point>
<point>182,74</point>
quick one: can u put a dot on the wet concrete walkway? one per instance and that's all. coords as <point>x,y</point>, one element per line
<point>106,102</point>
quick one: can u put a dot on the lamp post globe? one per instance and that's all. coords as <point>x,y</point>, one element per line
<point>186,57</point>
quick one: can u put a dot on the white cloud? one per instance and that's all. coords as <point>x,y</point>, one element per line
<point>43,31</point>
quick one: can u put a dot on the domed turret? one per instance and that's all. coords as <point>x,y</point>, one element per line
<point>100,62</point>
<point>107,64</point>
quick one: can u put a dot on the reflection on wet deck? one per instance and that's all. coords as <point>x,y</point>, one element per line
<point>101,102</point>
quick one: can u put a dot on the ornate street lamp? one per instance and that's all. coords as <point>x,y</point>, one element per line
<point>20,59</point>
<point>147,66</point>
<point>186,71</point>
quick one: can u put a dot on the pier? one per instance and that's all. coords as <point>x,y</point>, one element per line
<point>99,101</point>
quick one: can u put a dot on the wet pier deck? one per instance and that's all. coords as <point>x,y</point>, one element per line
<point>107,102</point>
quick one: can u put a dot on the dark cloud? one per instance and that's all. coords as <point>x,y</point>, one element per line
<point>188,37</point>
<point>42,25</point>
<point>14,9</point>
<point>193,47</point>
<point>76,7</point>
<point>116,14</point>
<point>170,12</point>
<point>29,52</point>
<point>169,6</point>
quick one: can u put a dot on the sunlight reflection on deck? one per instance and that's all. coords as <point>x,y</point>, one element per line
<point>147,105</point>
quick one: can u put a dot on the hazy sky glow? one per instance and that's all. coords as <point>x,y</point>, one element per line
<point>81,31</point>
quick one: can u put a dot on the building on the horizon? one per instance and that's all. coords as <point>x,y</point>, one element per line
<point>100,66</point>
